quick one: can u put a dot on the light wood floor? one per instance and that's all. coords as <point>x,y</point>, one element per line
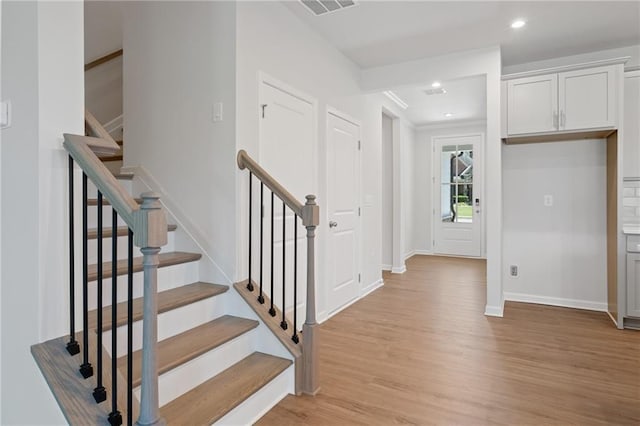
<point>420,351</point>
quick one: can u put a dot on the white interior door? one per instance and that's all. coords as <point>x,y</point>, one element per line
<point>343,170</point>
<point>457,192</point>
<point>287,152</point>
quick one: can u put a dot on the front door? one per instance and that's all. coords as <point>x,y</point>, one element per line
<point>343,168</point>
<point>457,189</point>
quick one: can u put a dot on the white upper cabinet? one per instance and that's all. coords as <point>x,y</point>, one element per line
<point>562,102</point>
<point>631,124</point>
<point>532,104</point>
<point>586,98</point>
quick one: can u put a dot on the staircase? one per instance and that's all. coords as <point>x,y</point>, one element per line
<point>159,340</point>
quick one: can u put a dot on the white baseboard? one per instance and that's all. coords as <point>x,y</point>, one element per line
<point>365,292</point>
<point>409,255</point>
<point>371,288</point>
<point>557,301</point>
<point>423,252</point>
<point>386,267</point>
<point>114,125</point>
<point>399,270</point>
<point>494,311</point>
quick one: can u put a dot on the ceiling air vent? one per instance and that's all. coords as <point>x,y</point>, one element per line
<point>321,7</point>
<point>438,91</point>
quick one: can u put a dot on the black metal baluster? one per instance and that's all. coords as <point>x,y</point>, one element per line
<point>295,280</point>
<point>99,393</point>
<point>130,328</point>
<point>115,418</point>
<point>85,368</point>
<point>272,310</point>
<point>249,283</point>
<point>261,297</point>
<point>72,345</point>
<point>283,323</point>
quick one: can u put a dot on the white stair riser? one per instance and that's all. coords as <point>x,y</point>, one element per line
<point>258,404</point>
<point>122,248</point>
<point>92,217</point>
<point>92,191</point>
<point>168,277</point>
<point>171,323</point>
<point>182,379</point>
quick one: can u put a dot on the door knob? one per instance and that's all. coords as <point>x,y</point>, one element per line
<point>333,224</point>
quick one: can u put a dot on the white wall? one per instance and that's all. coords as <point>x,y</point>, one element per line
<point>560,250</point>
<point>42,73</point>
<point>423,189</point>
<point>387,192</point>
<point>459,65</point>
<point>272,40</point>
<point>179,59</point>
<point>103,35</point>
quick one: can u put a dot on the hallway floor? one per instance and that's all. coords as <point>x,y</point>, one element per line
<point>420,351</point>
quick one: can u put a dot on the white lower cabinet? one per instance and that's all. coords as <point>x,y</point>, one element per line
<point>633,285</point>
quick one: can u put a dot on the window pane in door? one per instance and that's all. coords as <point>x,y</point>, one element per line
<point>464,203</point>
<point>465,163</point>
<point>447,202</point>
<point>448,169</point>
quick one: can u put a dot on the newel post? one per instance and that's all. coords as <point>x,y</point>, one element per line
<point>150,234</point>
<point>310,359</point>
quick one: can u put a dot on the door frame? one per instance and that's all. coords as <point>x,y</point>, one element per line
<point>434,187</point>
<point>324,240</point>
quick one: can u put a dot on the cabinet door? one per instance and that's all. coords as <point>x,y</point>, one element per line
<point>631,124</point>
<point>587,98</point>
<point>633,285</point>
<point>532,104</point>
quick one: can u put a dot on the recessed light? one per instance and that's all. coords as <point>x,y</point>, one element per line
<point>395,98</point>
<point>518,23</point>
<point>448,114</point>
<point>436,84</point>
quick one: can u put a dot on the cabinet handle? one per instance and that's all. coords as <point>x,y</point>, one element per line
<point>555,119</point>
<point>562,119</point>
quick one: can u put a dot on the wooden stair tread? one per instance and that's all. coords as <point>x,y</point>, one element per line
<point>167,301</point>
<point>210,401</point>
<point>92,234</point>
<point>105,202</point>
<point>184,347</point>
<point>165,259</point>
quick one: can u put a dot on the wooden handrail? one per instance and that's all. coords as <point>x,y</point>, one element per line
<point>103,59</point>
<point>309,217</point>
<point>80,149</point>
<point>108,145</point>
<point>309,212</point>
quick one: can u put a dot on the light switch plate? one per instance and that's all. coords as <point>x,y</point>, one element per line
<point>217,112</point>
<point>5,114</point>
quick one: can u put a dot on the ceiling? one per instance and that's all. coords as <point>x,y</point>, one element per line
<point>385,32</point>
<point>466,99</point>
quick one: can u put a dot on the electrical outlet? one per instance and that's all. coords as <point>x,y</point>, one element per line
<point>548,200</point>
<point>513,270</point>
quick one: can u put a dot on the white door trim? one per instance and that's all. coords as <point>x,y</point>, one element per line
<point>481,146</point>
<point>323,217</point>
<point>398,265</point>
